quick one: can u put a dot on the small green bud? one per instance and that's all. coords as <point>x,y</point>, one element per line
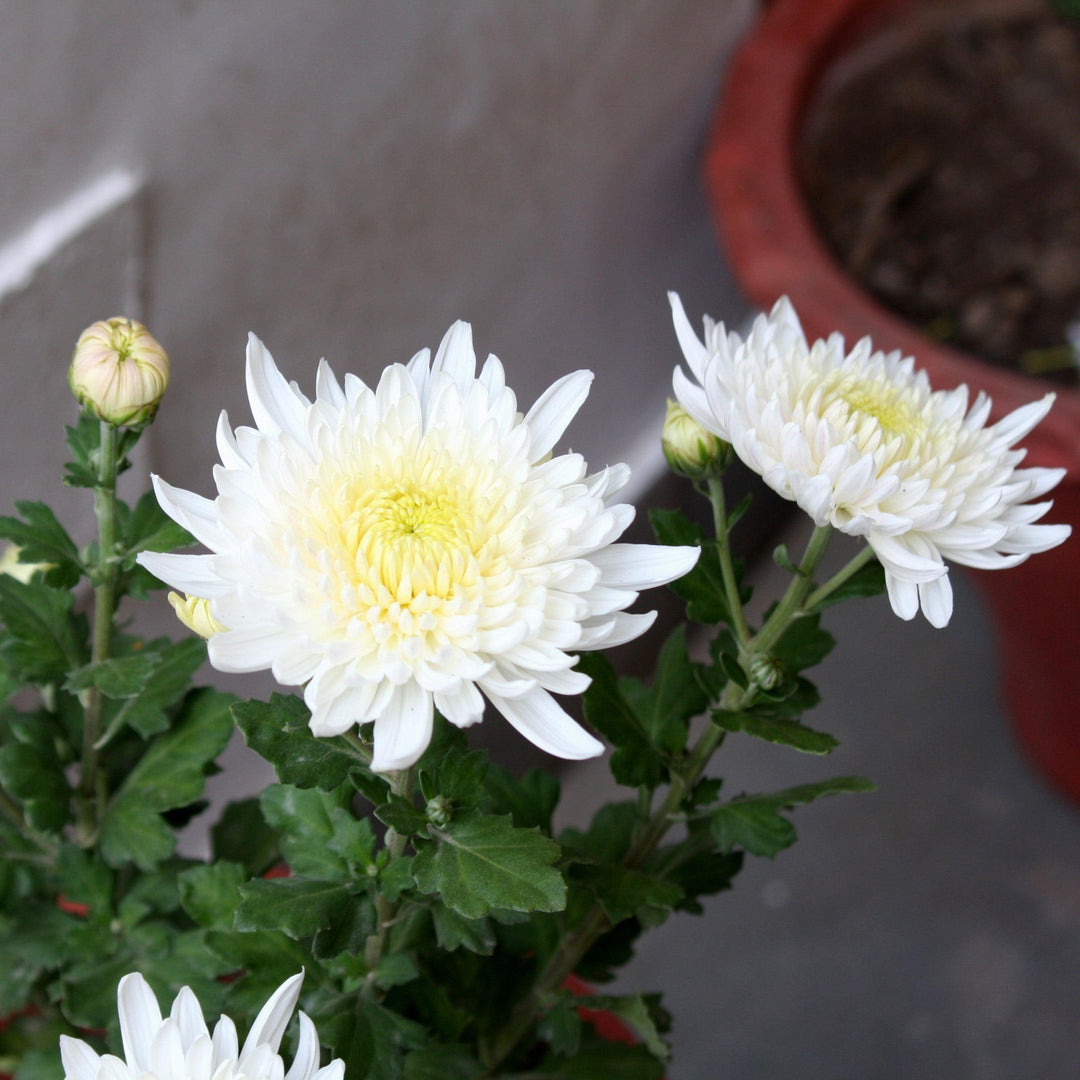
<point>690,449</point>
<point>765,671</point>
<point>119,372</point>
<point>439,811</point>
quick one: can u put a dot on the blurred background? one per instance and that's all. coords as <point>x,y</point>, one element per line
<point>346,179</point>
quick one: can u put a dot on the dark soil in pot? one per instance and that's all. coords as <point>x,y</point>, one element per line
<point>941,160</point>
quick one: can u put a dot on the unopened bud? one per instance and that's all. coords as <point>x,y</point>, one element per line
<point>690,450</point>
<point>766,671</point>
<point>119,372</point>
<point>440,811</point>
<point>194,612</point>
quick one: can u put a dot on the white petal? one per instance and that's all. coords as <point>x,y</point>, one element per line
<point>274,1016</point>
<point>140,1018</point>
<point>226,1045</point>
<point>403,730</point>
<point>545,723</point>
<point>80,1062</point>
<point>463,707</point>
<point>275,405</point>
<point>192,574</point>
<point>455,355</point>
<point>696,354</point>
<point>642,566</point>
<point>306,1061</point>
<point>903,596</point>
<point>187,1013</point>
<point>553,411</point>
<point>617,630</point>
<point>248,648</point>
<point>196,514</point>
<point>936,600</point>
<point>167,1053</point>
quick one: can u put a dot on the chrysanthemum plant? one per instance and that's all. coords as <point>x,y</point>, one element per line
<point>410,554</point>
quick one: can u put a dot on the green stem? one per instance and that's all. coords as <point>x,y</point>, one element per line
<point>385,910</point>
<point>92,792</point>
<point>791,603</point>
<point>838,579</point>
<point>727,567</point>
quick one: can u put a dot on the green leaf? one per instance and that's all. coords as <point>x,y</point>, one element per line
<point>478,863</point>
<point>177,663</point>
<point>42,539</point>
<point>370,1039</point>
<point>171,773</point>
<point>635,762</point>
<point>394,969</point>
<point>122,677</point>
<point>266,958</point>
<point>308,820</point>
<point>211,894</point>
<point>754,822</point>
<point>622,892</point>
<point>803,644</point>
<point>703,587</point>
<point>149,528</point>
<point>295,906</point>
<point>674,698</point>
<point>560,1027</point>
<point>278,731</point>
<point>633,1010</point>
<point>458,777</point>
<point>868,580</point>
<point>777,730</point>
<point>242,836</point>
<point>442,1061</point>
<point>36,777</point>
<point>453,931</point>
<point>401,816</point>
<point>46,640</point>
<point>86,880</point>
<point>530,801</point>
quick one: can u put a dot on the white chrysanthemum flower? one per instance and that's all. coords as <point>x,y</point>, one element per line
<point>409,547</point>
<point>180,1047</point>
<point>861,443</point>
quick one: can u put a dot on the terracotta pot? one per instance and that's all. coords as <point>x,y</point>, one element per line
<point>774,248</point>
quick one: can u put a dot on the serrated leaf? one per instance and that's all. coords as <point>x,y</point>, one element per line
<point>277,730</point>
<point>777,730</point>
<point>481,862</point>
<point>599,1058</point>
<point>38,780</point>
<point>297,907</point>
<point>42,539</point>
<point>370,1039</point>
<point>84,879</point>
<point>622,892</point>
<point>211,894</point>
<point>530,800</point>
<point>632,1009</point>
<point>635,761</point>
<point>803,644</point>
<point>45,639</point>
<point>306,821</point>
<point>560,1027</point>
<point>242,835</point>
<point>754,822</point>
<point>453,931</point>
<point>401,816</point>
<point>458,777</point>
<point>394,969</point>
<point>171,773</point>
<point>148,528</point>
<point>121,677</point>
<point>703,587</point>
<point>674,697</point>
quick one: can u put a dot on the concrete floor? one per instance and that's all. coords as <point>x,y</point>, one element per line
<point>928,930</point>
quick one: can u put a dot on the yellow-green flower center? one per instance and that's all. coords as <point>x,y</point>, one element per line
<point>889,405</point>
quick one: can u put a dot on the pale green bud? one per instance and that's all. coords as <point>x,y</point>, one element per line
<point>119,372</point>
<point>766,671</point>
<point>690,450</point>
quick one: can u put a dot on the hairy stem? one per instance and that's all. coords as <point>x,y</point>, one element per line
<point>92,793</point>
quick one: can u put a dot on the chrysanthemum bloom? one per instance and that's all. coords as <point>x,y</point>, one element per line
<point>406,548</point>
<point>861,443</point>
<point>181,1047</point>
<point>119,371</point>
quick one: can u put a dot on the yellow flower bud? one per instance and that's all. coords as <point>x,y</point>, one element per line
<point>194,612</point>
<point>20,571</point>
<point>119,372</point>
<point>690,449</point>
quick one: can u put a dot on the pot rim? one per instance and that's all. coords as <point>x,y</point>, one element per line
<point>766,229</point>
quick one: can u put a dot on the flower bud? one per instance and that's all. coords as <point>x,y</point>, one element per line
<point>194,612</point>
<point>691,450</point>
<point>119,372</point>
<point>766,671</point>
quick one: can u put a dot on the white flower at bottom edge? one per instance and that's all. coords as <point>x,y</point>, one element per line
<point>180,1047</point>
<point>861,443</point>
<point>414,546</point>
